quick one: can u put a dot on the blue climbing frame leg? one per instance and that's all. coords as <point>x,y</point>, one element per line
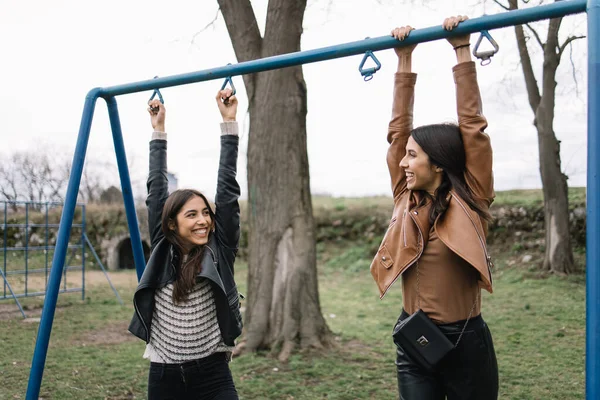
<point>592,361</point>
<point>132,221</point>
<point>58,261</point>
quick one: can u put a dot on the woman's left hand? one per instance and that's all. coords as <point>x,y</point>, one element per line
<point>227,103</point>
<point>451,23</point>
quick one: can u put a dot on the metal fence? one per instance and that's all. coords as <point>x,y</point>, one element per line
<point>29,231</point>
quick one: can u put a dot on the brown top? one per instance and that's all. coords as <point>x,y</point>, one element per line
<point>447,284</point>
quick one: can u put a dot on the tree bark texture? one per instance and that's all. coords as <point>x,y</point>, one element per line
<point>559,253</point>
<point>283,307</point>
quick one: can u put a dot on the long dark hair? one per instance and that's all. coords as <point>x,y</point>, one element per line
<point>444,146</point>
<point>186,271</point>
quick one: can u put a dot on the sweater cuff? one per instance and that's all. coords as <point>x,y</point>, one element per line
<point>159,135</point>
<point>229,128</point>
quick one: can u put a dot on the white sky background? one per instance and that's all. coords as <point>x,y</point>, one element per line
<point>53,53</point>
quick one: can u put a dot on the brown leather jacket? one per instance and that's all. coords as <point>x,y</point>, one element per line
<point>461,229</point>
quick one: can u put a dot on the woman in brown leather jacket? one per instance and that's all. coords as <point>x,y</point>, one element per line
<point>443,186</point>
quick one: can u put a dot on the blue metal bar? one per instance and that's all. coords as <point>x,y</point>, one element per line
<point>5,243</point>
<point>40,270</point>
<point>486,22</point>
<point>22,248</point>
<point>39,225</point>
<point>83,237</point>
<point>66,220</point>
<point>32,294</point>
<point>41,203</point>
<point>592,317</point>
<point>103,269</point>
<point>46,250</point>
<point>132,221</point>
<point>26,245</point>
<point>13,295</point>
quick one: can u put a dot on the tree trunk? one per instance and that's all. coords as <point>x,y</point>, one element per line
<point>283,306</point>
<point>558,257</point>
<point>559,254</point>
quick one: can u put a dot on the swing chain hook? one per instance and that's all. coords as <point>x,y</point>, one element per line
<point>230,81</point>
<point>485,56</point>
<point>156,93</point>
<point>367,73</point>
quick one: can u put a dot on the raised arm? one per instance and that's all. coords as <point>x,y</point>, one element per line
<point>158,186</point>
<point>402,112</point>
<point>478,149</point>
<point>227,215</point>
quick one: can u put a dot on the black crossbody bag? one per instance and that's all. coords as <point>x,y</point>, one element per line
<point>421,339</point>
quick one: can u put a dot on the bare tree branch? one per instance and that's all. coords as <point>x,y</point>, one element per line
<point>211,23</point>
<point>573,70</point>
<point>244,33</point>
<point>561,49</point>
<point>533,91</point>
<point>552,39</point>
<point>536,35</point>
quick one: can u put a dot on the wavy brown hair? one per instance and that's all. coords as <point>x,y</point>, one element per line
<point>444,145</point>
<point>187,271</point>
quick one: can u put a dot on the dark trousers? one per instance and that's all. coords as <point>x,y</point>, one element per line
<point>207,378</point>
<point>468,372</point>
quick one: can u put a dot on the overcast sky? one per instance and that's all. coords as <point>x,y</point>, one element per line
<point>55,52</point>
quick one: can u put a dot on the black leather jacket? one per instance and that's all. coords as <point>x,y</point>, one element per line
<point>221,249</point>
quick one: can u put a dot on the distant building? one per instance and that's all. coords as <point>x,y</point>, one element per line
<point>172,182</point>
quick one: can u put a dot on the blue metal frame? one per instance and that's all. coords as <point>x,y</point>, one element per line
<point>592,361</point>
<point>487,22</point>
<point>27,249</point>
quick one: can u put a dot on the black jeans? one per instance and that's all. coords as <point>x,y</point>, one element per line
<point>205,378</point>
<point>468,372</point>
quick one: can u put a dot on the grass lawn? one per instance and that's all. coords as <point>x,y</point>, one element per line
<point>538,324</point>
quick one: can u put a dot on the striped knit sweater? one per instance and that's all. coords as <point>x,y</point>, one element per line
<point>186,331</point>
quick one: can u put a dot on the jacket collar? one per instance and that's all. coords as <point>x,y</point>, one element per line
<point>160,268</point>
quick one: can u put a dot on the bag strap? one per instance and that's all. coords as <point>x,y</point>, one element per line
<point>470,312</point>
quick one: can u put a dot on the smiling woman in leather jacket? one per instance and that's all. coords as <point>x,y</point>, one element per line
<point>187,305</point>
<point>442,184</point>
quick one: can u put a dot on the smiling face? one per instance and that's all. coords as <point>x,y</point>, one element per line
<point>421,174</point>
<point>193,223</point>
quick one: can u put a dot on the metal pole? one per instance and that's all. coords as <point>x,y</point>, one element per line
<point>83,236</point>
<point>592,361</point>
<point>26,246</point>
<point>46,251</point>
<point>5,243</point>
<point>58,261</point>
<point>486,22</point>
<point>134,230</point>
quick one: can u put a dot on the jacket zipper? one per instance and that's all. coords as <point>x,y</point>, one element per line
<point>404,226</point>
<point>143,323</point>
<point>213,254</point>
<point>414,260</point>
<point>488,259</point>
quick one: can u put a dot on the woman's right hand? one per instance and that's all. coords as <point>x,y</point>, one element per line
<point>157,112</point>
<point>401,34</point>
<point>227,103</point>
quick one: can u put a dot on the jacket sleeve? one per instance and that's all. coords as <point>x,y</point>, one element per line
<point>400,127</point>
<point>158,189</point>
<point>472,124</point>
<point>227,214</point>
